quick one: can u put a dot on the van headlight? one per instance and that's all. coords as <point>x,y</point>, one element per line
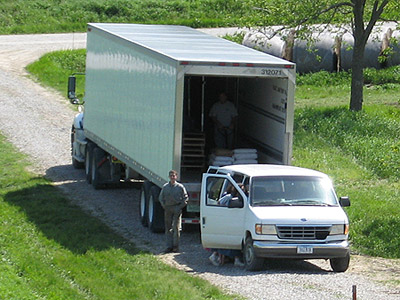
<point>265,229</point>
<point>339,229</point>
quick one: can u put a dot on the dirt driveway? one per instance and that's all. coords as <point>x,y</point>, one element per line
<point>38,121</point>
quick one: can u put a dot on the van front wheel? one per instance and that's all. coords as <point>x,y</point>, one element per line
<point>252,262</point>
<point>340,264</point>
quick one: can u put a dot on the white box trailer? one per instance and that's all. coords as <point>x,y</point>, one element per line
<point>148,93</point>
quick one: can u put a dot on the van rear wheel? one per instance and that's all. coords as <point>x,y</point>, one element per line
<point>251,261</point>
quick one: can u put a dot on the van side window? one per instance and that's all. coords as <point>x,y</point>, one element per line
<point>238,177</point>
<point>220,192</point>
<point>214,187</point>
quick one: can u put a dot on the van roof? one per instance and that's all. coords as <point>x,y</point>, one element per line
<point>261,170</point>
<point>185,44</point>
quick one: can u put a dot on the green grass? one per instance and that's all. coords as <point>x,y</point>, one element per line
<point>360,151</point>
<point>38,16</point>
<point>51,249</point>
<point>54,68</point>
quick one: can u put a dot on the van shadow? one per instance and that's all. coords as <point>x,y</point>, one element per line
<point>59,220</point>
<point>201,264</point>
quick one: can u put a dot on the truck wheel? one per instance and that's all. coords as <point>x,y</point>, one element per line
<point>76,164</point>
<point>144,202</point>
<point>340,264</point>
<point>155,211</point>
<point>97,178</point>
<point>252,262</point>
<point>115,173</point>
<point>88,161</point>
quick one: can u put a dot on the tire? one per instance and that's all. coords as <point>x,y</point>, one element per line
<point>251,261</point>
<point>88,161</point>
<point>76,164</point>
<point>340,264</point>
<point>155,211</point>
<point>143,202</point>
<point>97,176</point>
<point>115,173</point>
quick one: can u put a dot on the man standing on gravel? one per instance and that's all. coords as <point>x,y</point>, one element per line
<point>173,197</point>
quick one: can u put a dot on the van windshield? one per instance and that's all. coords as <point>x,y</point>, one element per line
<point>292,191</point>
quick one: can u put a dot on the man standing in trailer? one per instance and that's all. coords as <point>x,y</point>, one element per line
<point>224,115</point>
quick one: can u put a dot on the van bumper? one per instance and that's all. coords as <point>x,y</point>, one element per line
<point>296,250</point>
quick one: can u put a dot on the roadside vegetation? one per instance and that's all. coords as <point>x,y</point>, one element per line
<point>51,249</point>
<point>38,16</point>
<point>359,150</point>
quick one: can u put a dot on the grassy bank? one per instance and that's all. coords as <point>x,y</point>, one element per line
<point>360,151</point>
<point>39,16</point>
<point>51,249</point>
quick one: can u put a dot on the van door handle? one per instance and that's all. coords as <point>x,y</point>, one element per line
<point>204,221</point>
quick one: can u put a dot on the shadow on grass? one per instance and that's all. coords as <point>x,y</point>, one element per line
<point>65,223</point>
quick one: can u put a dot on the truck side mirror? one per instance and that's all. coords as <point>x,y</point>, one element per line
<point>71,87</point>
<point>344,201</point>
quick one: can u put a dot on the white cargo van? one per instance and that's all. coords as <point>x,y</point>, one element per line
<point>283,212</point>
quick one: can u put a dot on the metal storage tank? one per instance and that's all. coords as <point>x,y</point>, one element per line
<point>334,48</point>
<point>318,57</point>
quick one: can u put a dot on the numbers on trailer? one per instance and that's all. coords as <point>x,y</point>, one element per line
<point>271,72</point>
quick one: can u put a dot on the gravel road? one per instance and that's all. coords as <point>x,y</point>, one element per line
<point>38,121</point>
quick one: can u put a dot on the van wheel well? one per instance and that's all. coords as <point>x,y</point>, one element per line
<point>248,234</point>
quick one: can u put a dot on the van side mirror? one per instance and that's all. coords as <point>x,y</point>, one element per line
<point>344,201</point>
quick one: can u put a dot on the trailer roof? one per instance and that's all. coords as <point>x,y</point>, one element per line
<point>185,44</point>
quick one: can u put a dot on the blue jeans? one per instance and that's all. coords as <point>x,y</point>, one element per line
<point>223,138</point>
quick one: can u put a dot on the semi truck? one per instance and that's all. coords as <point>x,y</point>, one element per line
<point>148,93</point>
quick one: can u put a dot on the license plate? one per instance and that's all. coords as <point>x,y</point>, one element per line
<point>304,249</point>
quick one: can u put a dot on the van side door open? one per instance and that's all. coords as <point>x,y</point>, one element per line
<point>222,212</point>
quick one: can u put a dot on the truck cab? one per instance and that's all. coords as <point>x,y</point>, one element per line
<point>278,212</point>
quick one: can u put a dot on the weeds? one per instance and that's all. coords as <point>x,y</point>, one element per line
<point>38,16</point>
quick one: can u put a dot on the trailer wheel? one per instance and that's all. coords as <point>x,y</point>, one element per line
<point>115,172</point>
<point>155,211</point>
<point>97,177</point>
<point>88,161</point>
<point>340,264</point>
<point>252,262</point>
<point>144,202</point>
<point>76,164</point>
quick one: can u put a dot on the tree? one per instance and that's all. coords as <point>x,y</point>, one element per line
<point>360,16</point>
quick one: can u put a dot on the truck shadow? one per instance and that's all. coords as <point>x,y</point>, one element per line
<point>67,224</point>
<point>67,173</point>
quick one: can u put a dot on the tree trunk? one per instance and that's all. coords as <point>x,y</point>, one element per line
<point>357,78</point>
